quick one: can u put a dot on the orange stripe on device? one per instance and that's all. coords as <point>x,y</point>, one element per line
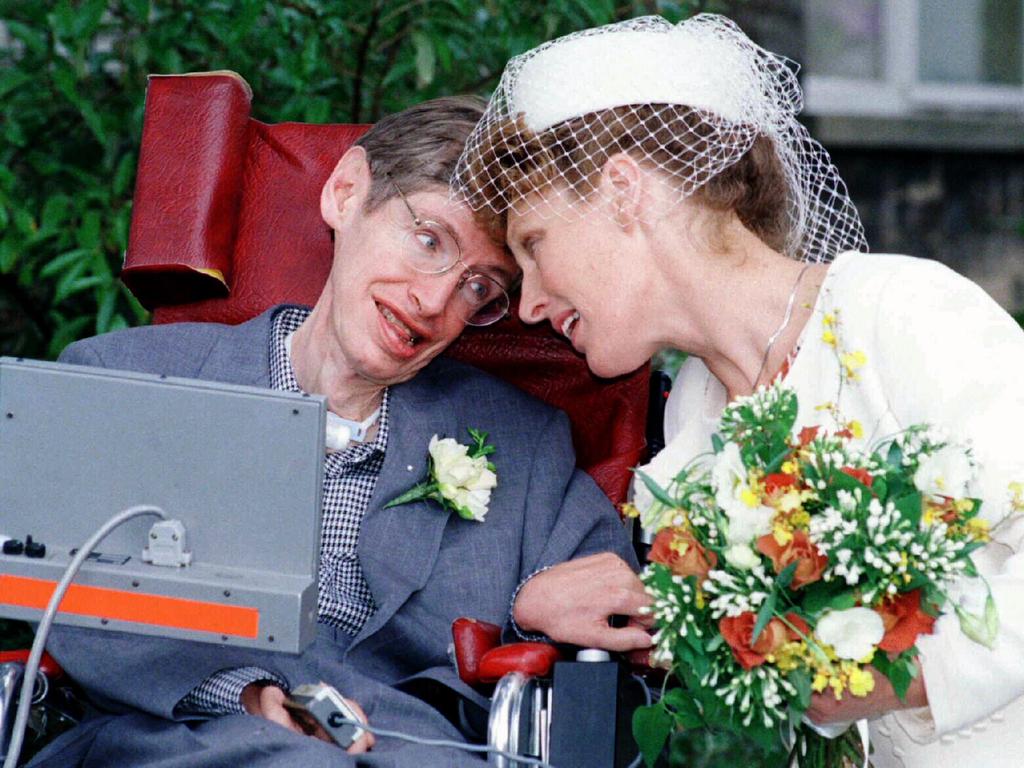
<point>139,607</point>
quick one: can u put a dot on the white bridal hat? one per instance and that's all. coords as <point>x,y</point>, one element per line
<point>592,72</point>
<point>731,89</point>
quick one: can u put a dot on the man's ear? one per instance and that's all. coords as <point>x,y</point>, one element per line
<point>621,186</point>
<point>346,188</point>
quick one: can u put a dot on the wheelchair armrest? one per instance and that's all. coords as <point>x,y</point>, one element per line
<point>481,659</point>
<point>531,659</point>
<point>47,664</point>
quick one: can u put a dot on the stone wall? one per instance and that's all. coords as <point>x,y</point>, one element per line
<point>965,209</point>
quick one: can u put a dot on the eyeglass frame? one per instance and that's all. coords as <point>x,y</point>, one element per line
<point>468,272</point>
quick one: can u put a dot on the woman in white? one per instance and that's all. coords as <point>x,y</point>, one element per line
<point>660,193</point>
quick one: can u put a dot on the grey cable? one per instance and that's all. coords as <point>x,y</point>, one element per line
<point>34,657</point>
<point>446,743</point>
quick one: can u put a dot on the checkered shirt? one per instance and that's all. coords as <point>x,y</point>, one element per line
<point>350,476</point>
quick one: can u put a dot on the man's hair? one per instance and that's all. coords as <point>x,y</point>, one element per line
<point>419,147</point>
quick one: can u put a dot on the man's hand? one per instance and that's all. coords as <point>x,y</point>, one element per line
<point>268,701</point>
<point>825,709</point>
<point>572,602</point>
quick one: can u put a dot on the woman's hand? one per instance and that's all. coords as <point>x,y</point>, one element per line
<point>572,602</point>
<point>268,701</point>
<point>825,709</point>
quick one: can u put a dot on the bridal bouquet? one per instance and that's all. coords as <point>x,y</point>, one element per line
<point>791,561</point>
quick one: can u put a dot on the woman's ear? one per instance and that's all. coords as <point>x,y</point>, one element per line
<point>346,188</point>
<point>621,185</point>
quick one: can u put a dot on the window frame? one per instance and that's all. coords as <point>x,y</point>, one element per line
<point>899,92</point>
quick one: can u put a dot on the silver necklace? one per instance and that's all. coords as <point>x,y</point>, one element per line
<point>785,321</point>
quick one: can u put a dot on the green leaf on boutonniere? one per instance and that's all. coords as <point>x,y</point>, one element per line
<point>416,493</point>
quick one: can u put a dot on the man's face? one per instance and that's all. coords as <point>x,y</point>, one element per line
<point>388,319</point>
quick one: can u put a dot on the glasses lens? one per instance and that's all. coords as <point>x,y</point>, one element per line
<point>430,248</point>
<point>484,300</point>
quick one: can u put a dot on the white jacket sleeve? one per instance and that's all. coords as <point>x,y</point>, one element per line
<point>948,355</point>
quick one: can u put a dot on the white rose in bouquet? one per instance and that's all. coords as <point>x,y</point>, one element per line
<point>853,633</point>
<point>947,472</point>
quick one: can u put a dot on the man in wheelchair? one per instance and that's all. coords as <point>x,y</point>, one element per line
<point>409,271</point>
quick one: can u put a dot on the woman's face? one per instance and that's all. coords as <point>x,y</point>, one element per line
<point>586,276</point>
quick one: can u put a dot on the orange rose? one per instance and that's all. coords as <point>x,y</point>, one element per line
<point>738,631</point>
<point>810,562</point>
<point>677,549</point>
<point>903,620</point>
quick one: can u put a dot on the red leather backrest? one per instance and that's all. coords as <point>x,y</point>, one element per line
<point>226,222</point>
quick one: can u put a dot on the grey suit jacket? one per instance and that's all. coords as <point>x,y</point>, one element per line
<point>423,566</point>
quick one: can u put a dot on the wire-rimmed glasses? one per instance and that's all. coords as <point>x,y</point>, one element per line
<point>431,249</point>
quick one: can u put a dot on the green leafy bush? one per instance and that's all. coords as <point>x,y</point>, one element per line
<point>72,86</point>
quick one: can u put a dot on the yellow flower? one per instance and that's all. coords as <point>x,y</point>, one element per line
<point>790,655</point>
<point>851,361</point>
<point>820,682</point>
<point>678,545</point>
<point>978,528</point>
<point>828,320</point>
<point>963,505</point>
<point>800,519</point>
<point>628,509</point>
<point>698,599</point>
<point>930,514</point>
<point>856,428</point>
<point>782,534</point>
<point>838,685</point>
<point>829,338</point>
<point>749,498</point>
<point>789,467</point>
<point>1017,502</point>
<point>861,682</point>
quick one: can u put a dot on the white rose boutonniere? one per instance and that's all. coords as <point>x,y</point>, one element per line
<point>459,478</point>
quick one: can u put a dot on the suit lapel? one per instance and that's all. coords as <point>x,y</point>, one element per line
<point>242,356</point>
<point>398,546</point>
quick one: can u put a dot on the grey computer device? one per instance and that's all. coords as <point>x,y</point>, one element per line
<point>238,470</point>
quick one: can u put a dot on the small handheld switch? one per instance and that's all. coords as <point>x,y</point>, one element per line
<point>320,704</point>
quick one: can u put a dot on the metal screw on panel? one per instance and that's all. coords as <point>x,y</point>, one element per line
<point>224,638</point>
<point>152,535</point>
<point>135,583</point>
<point>227,593</point>
<point>270,638</point>
<point>174,537</point>
<point>295,411</point>
<point>10,415</point>
<point>104,622</point>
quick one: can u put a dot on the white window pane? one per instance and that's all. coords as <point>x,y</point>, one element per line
<point>970,41</point>
<point>844,38</point>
